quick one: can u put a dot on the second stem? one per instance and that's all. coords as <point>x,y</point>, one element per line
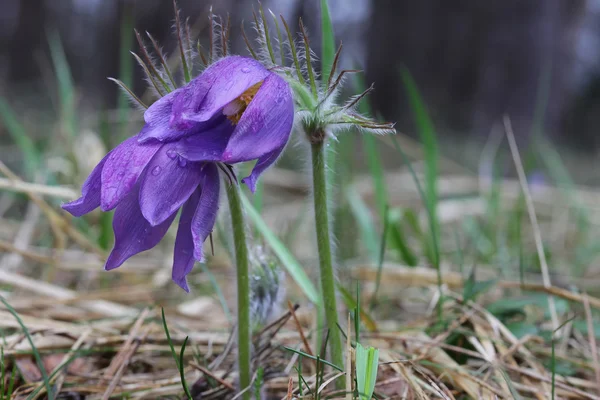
<point>243,286</point>
<point>324,246</point>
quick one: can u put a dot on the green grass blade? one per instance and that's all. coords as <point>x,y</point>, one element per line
<point>372,154</point>
<point>428,137</point>
<point>125,64</point>
<point>327,42</point>
<point>303,354</point>
<point>362,214</point>
<point>287,259</point>
<point>31,154</point>
<point>431,214</point>
<point>36,354</point>
<point>166,328</point>
<point>66,88</point>
<point>182,369</point>
<point>351,304</point>
<point>398,239</point>
<point>383,242</point>
<point>367,361</point>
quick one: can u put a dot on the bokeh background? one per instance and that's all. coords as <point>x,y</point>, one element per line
<point>537,60</point>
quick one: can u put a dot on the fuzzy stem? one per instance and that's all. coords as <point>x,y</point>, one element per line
<point>324,246</point>
<point>243,286</point>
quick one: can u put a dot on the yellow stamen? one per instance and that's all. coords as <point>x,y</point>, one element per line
<point>239,105</point>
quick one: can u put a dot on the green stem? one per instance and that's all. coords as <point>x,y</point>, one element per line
<point>243,286</point>
<point>319,155</point>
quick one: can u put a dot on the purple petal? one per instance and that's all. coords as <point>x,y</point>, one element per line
<point>170,180</point>
<point>207,145</point>
<point>218,85</point>
<point>90,193</point>
<point>261,165</point>
<point>122,169</point>
<point>266,124</point>
<point>160,110</point>
<point>133,234</point>
<point>183,257</point>
<point>208,206</point>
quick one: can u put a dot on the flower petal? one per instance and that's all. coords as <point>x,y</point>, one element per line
<point>265,125</point>
<point>183,257</point>
<point>261,165</point>
<point>133,234</point>
<point>90,193</point>
<point>208,206</point>
<point>218,85</point>
<point>169,182</point>
<point>207,145</point>
<point>160,110</point>
<point>123,167</point>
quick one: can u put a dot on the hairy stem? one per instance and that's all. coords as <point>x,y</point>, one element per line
<point>243,286</point>
<point>324,246</point>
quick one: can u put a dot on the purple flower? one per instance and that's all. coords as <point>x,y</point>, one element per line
<point>235,111</point>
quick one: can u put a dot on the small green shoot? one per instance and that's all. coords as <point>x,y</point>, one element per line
<point>473,288</point>
<point>178,359</point>
<point>367,361</point>
<point>36,354</point>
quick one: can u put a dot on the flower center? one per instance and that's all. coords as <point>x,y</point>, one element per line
<point>236,108</point>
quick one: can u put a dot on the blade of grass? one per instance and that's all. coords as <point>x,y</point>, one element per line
<point>362,214</point>
<point>125,63</point>
<point>287,259</point>
<point>430,217</point>
<point>351,304</point>
<point>66,87</point>
<point>367,361</point>
<point>383,241</point>
<point>182,369</point>
<point>372,154</point>
<point>327,42</point>
<point>533,217</point>
<point>36,354</point>
<point>303,354</point>
<point>430,149</point>
<point>166,328</point>
<point>31,154</point>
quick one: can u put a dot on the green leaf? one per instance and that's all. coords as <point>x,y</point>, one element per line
<point>367,361</point>
<point>428,137</point>
<point>292,266</point>
<point>31,154</point>
<point>397,238</point>
<point>365,222</point>
<point>372,153</point>
<point>125,64</point>
<point>328,42</point>
<point>65,83</point>
<point>36,354</point>
<point>351,304</point>
<point>473,288</point>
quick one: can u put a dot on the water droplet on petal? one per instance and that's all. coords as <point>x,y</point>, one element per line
<point>171,153</point>
<point>245,70</point>
<point>182,162</point>
<point>156,170</point>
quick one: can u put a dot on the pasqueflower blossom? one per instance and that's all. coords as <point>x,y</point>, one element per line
<point>235,111</point>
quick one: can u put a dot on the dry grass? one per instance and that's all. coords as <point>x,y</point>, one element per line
<point>101,336</point>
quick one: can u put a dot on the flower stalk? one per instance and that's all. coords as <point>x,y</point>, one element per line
<point>243,286</point>
<point>319,156</point>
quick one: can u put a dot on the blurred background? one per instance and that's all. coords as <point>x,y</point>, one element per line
<point>537,60</point>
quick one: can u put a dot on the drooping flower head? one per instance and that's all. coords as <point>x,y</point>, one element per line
<point>235,111</point>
